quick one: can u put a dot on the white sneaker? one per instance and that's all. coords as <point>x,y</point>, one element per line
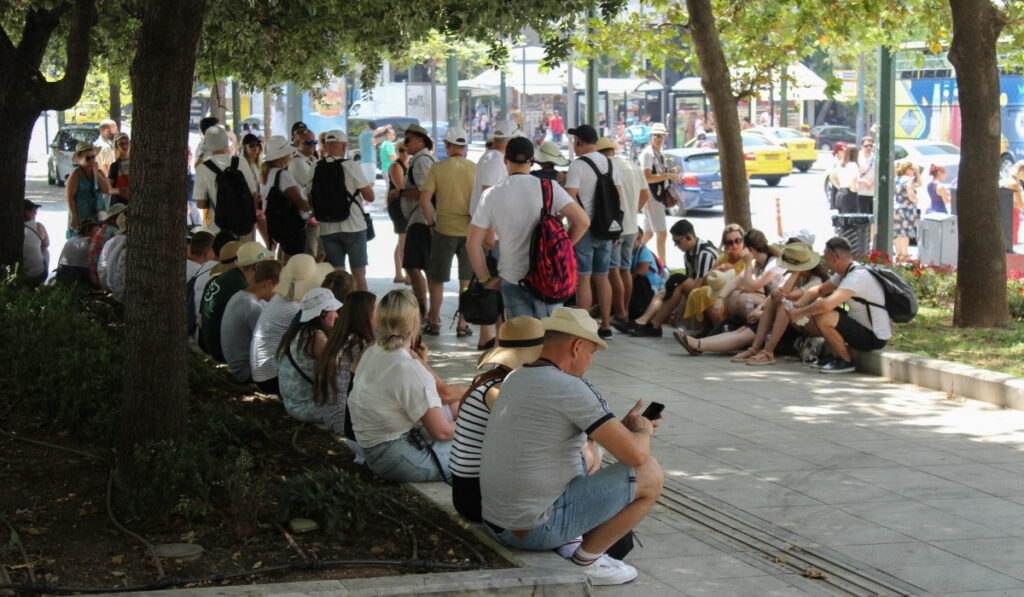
<point>606,570</point>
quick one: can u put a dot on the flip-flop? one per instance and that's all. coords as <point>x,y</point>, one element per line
<point>680,336</point>
<point>464,331</point>
<point>758,361</point>
<point>744,356</point>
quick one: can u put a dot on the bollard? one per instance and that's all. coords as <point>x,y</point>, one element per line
<point>778,215</point>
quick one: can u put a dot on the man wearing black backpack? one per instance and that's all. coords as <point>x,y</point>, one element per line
<point>864,326</point>
<point>339,194</point>
<point>592,180</point>
<point>236,210</point>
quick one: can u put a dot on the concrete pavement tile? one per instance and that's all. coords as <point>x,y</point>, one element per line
<point>979,451</point>
<point>993,512</point>
<point>989,593</point>
<point>921,521</point>
<point>904,553</point>
<point>645,585</point>
<point>965,577</point>
<point>682,571</point>
<point>830,455</point>
<point>826,525</point>
<point>753,458</point>
<point>746,492</point>
<point>832,487</point>
<point>671,545</point>
<point>1002,554</point>
<point>989,479</point>
<point>754,586</point>
<point>913,483</point>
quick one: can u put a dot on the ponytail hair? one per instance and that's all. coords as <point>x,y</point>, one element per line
<point>935,169</point>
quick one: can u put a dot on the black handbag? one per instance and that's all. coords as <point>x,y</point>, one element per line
<point>480,305</point>
<point>370,234</point>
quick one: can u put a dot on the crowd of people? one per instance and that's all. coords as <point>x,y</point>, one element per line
<point>276,289</point>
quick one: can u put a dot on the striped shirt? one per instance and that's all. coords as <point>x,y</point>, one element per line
<point>272,324</point>
<point>700,260</point>
<point>464,459</point>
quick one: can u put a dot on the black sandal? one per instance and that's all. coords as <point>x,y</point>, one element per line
<point>487,345</point>
<point>680,336</point>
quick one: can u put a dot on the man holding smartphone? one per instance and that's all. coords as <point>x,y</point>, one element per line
<point>535,490</point>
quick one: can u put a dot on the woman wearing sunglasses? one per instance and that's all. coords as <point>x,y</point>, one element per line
<point>85,188</point>
<point>252,148</point>
<point>700,304</point>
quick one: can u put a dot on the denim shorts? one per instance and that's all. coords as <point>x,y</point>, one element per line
<point>518,301</point>
<point>593,256</point>
<point>400,461</point>
<point>589,501</point>
<point>622,253</point>
<point>340,244</point>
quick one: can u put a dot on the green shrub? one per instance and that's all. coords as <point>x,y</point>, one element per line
<point>337,500</point>
<point>169,476</point>
<point>220,423</point>
<point>241,488</point>
<point>61,356</point>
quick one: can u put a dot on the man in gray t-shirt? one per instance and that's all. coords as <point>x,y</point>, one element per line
<point>533,482</point>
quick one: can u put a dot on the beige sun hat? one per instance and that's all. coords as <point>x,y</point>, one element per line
<point>300,275</point>
<point>799,257</point>
<point>658,129</point>
<point>575,322</point>
<point>717,280</point>
<point>228,258</point>
<point>520,340</point>
<point>550,153</point>
<point>604,143</point>
<point>251,253</point>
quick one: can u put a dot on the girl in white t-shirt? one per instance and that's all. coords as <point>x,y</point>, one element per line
<point>844,177</point>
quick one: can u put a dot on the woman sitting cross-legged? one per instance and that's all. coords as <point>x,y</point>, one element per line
<point>297,354</point>
<point>400,418</point>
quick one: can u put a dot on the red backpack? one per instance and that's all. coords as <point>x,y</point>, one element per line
<point>553,276</point>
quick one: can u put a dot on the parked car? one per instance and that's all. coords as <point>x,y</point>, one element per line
<point>701,187</point>
<point>764,159</point>
<point>801,148</point>
<point>925,153</point>
<point>826,136</point>
<point>58,164</point>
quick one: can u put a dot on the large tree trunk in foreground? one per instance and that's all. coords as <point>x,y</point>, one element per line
<point>24,93</point>
<point>981,278</point>
<point>714,77</point>
<point>155,399</point>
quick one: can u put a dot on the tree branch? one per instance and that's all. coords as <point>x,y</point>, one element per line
<point>63,94</point>
<point>39,26</point>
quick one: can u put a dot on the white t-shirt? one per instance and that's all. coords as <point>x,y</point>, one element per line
<point>206,183</point>
<point>390,394</point>
<point>848,175</point>
<point>287,182</point>
<point>240,316</point>
<point>112,265</point>
<point>354,180</point>
<point>581,176</point>
<point>75,252</point>
<point>490,170</point>
<point>512,208</point>
<point>633,183</point>
<point>864,285</point>
<point>866,167</point>
<point>774,266</point>
<point>273,322</point>
<point>301,169</point>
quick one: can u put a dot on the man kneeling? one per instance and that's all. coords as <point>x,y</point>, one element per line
<point>535,490</point>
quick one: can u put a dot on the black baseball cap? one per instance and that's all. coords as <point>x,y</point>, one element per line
<point>584,133</point>
<point>30,205</point>
<point>298,126</point>
<point>519,150</point>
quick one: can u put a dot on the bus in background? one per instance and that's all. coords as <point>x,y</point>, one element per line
<point>928,105</point>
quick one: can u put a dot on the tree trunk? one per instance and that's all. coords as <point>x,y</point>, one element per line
<point>24,93</point>
<point>714,77</point>
<point>267,109</point>
<point>981,278</point>
<point>115,97</point>
<point>155,399</point>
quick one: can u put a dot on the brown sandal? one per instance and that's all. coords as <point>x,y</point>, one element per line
<point>760,359</point>
<point>744,356</point>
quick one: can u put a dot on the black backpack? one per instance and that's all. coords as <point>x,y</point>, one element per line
<point>900,300</point>
<point>607,221</point>
<point>235,210</point>
<point>283,219</point>
<point>329,196</point>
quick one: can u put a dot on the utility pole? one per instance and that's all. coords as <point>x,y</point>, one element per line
<point>883,150</point>
<point>592,98</point>
<point>454,115</point>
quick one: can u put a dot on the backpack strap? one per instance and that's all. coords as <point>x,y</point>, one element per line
<point>288,352</point>
<point>546,196</point>
<point>209,164</point>
<point>868,304</point>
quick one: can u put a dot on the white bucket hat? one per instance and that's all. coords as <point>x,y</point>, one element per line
<point>316,301</point>
<point>277,147</point>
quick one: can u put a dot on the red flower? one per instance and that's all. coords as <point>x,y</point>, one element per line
<point>1014,274</point>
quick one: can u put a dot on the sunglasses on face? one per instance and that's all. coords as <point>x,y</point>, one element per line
<point>88,158</point>
<point>867,145</point>
<point>310,141</point>
<point>255,144</point>
<point>124,143</point>
<point>732,241</point>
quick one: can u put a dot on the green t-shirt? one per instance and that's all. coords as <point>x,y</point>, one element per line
<point>215,300</point>
<point>387,149</point>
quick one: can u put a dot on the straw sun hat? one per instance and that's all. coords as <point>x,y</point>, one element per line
<point>520,340</point>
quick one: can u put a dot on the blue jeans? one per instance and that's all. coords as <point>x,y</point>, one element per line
<point>593,256</point>
<point>588,502</point>
<point>339,244</point>
<point>400,461</point>
<point>519,301</point>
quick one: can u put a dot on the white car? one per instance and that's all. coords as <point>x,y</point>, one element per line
<point>925,153</point>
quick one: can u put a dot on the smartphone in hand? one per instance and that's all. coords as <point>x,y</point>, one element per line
<point>653,411</point>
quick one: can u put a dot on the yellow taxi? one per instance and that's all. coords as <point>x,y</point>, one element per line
<point>801,147</point>
<point>764,159</point>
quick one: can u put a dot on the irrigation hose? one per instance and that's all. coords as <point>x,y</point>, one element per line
<point>476,552</point>
<point>113,519</point>
<point>21,547</point>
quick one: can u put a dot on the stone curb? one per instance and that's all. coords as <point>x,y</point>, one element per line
<point>957,379</point>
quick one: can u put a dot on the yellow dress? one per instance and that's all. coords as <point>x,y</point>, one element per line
<point>699,300</point>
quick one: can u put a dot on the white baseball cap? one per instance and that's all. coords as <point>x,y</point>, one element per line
<point>335,136</point>
<point>507,129</point>
<point>456,135</point>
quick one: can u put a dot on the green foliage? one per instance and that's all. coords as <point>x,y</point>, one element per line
<point>64,357</point>
<point>241,489</point>
<point>220,423</point>
<point>169,475</point>
<point>337,500</point>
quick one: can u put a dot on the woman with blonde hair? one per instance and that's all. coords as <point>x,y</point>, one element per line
<point>396,176</point>
<point>704,305</point>
<point>905,208</point>
<point>398,415</point>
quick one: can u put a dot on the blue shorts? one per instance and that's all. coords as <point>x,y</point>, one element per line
<point>593,256</point>
<point>589,501</point>
<point>518,301</point>
<point>622,253</point>
<point>340,244</point>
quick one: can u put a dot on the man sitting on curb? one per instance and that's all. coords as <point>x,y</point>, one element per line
<point>535,490</point>
<point>863,326</point>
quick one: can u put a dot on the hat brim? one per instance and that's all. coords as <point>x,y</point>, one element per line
<point>513,358</point>
<point>116,210</point>
<point>220,268</point>
<point>810,264</point>
<point>553,324</point>
<point>301,287</point>
<point>284,151</point>
<point>547,158</point>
